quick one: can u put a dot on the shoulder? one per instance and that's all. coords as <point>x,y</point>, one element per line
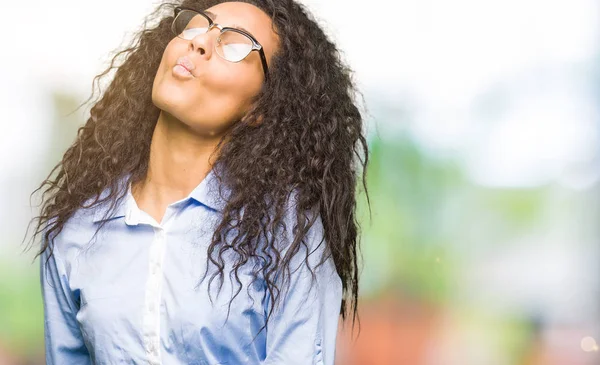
<point>76,232</point>
<point>303,235</point>
<point>308,219</point>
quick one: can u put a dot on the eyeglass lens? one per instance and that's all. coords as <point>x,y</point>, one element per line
<point>231,45</point>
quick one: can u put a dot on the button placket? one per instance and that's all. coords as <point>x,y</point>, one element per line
<point>153,296</point>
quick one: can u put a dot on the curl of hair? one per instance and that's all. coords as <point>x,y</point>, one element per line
<point>304,136</point>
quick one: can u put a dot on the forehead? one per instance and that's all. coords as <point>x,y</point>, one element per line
<point>248,17</point>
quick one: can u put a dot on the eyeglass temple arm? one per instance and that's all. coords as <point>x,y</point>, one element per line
<point>263,60</point>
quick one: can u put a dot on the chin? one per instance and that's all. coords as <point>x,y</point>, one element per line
<point>166,97</point>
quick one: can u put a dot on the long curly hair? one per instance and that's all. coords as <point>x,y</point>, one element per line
<point>308,140</point>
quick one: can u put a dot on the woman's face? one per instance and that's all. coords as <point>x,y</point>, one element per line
<point>218,92</point>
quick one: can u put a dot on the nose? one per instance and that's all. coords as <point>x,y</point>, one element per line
<point>203,44</point>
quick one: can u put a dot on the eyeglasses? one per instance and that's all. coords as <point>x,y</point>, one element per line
<point>233,44</point>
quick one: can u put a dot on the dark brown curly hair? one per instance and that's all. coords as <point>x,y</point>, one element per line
<point>308,139</point>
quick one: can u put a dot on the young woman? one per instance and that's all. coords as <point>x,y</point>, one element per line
<point>227,147</point>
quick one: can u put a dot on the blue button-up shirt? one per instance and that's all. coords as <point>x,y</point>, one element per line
<point>131,297</point>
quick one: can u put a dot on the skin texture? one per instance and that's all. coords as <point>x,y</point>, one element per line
<point>196,112</point>
<point>297,134</point>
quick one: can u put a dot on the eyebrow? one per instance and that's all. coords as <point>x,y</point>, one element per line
<point>213,16</point>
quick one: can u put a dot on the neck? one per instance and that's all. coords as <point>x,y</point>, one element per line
<point>179,161</point>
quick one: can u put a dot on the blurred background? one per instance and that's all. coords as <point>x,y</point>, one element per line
<point>484,130</point>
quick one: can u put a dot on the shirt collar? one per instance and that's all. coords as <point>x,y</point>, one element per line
<point>206,193</point>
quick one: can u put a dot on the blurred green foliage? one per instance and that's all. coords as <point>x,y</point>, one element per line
<point>21,319</point>
<point>428,218</point>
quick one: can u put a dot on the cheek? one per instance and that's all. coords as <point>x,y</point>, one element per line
<point>174,95</point>
<point>227,92</point>
<point>237,78</point>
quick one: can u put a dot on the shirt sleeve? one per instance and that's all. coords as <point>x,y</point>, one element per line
<point>63,339</point>
<point>303,326</point>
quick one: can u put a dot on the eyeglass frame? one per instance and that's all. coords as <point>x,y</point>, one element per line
<point>256,46</point>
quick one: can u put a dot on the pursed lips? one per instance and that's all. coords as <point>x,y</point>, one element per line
<point>186,63</point>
